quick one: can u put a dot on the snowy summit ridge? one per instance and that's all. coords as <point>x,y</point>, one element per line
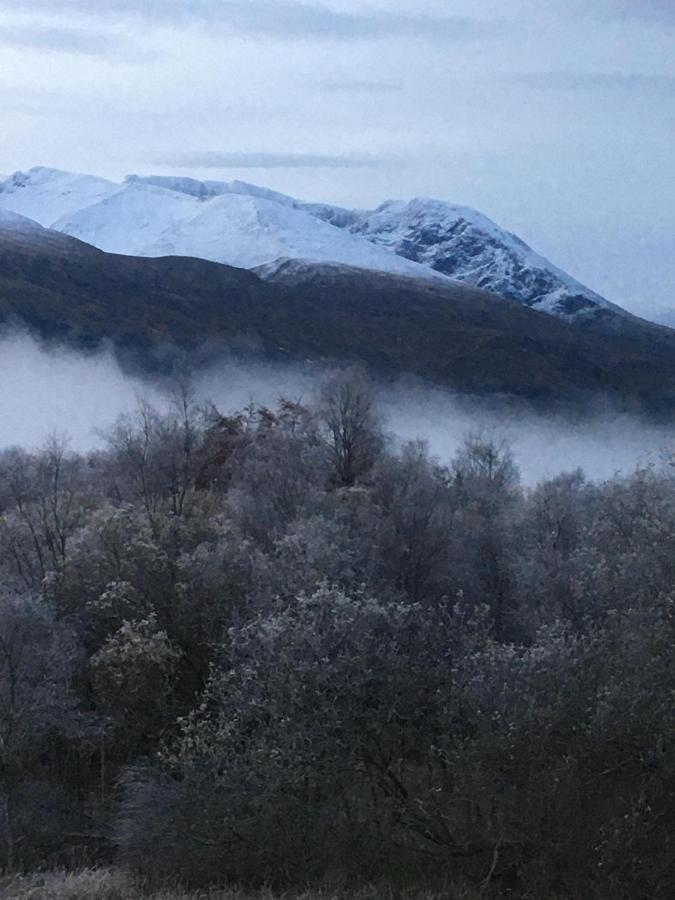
<point>244,225</point>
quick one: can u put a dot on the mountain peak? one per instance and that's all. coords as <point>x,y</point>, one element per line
<point>466,245</point>
<point>46,195</point>
<point>36,174</point>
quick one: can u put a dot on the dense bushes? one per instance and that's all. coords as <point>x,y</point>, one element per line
<point>287,652</point>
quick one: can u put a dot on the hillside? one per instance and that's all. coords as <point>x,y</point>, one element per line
<point>469,340</point>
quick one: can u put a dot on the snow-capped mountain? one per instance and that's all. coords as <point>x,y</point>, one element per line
<point>233,228</point>
<point>238,225</point>
<point>253,227</point>
<point>470,248</point>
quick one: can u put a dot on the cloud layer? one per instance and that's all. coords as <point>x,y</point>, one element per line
<point>280,17</point>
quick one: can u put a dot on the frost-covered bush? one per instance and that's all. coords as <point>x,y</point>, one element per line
<point>132,675</point>
<point>314,748</point>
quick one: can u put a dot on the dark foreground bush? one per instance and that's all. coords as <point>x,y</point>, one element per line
<point>367,739</point>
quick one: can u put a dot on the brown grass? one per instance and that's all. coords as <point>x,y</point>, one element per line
<point>113,884</point>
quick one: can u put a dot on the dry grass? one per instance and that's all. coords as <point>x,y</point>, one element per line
<point>113,884</point>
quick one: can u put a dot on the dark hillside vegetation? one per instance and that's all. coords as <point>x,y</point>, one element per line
<point>154,311</point>
<point>266,649</point>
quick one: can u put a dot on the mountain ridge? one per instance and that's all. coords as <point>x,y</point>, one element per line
<point>245,225</point>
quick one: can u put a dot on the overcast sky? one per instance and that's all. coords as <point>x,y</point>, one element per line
<point>554,117</point>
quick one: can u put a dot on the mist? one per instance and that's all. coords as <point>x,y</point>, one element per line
<point>46,392</point>
<point>602,441</point>
<point>79,397</point>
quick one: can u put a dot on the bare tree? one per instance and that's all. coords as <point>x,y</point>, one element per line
<point>347,412</point>
<point>43,509</point>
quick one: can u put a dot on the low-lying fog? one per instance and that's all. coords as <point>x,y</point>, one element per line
<point>62,392</point>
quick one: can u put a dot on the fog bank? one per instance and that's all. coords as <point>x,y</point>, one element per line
<point>78,396</point>
<point>603,443</point>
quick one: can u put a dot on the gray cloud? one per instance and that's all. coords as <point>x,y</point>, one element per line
<point>214,159</point>
<point>56,39</point>
<point>64,40</point>
<point>283,18</point>
<point>589,81</point>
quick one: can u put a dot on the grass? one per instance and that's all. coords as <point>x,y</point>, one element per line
<point>114,884</point>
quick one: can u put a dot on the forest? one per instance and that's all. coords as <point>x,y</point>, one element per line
<point>274,649</point>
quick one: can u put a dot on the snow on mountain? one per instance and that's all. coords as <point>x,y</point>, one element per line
<point>249,226</point>
<point>204,190</point>
<point>46,195</point>
<point>470,248</point>
<point>130,221</point>
<point>238,229</point>
<point>229,222</point>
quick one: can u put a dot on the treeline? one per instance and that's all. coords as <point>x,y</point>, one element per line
<point>268,648</point>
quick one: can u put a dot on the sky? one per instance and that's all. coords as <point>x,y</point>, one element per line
<point>556,118</point>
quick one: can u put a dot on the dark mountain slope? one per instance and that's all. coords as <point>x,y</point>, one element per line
<point>71,291</point>
<point>474,340</point>
<point>460,337</point>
